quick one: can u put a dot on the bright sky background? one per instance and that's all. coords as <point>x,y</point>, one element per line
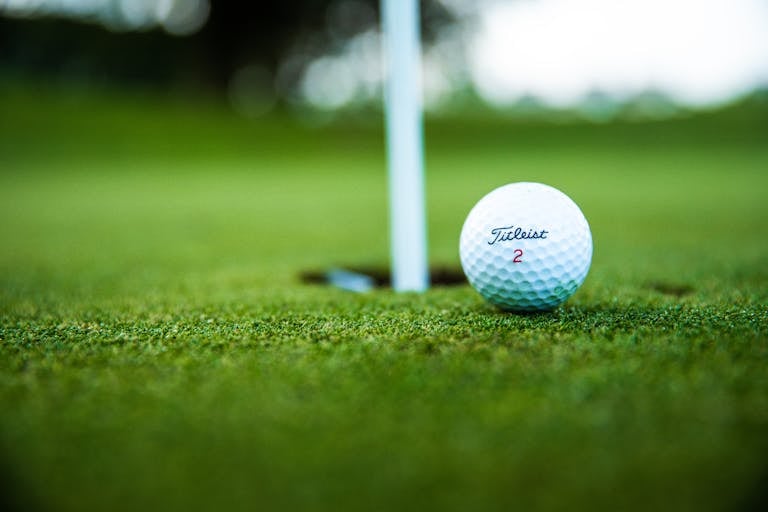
<point>696,51</point>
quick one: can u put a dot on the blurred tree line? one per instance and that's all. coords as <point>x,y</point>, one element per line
<point>235,34</point>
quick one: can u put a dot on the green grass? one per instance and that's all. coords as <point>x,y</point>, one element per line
<point>157,348</point>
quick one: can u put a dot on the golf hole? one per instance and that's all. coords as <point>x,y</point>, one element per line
<point>361,278</point>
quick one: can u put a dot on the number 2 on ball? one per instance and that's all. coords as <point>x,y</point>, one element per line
<point>518,255</point>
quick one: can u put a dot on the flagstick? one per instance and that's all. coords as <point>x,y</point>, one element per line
<point>408,233</point>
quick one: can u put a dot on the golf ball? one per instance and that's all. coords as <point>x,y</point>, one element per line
<point>526,247</point>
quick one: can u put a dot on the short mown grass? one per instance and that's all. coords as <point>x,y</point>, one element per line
<point>158,348</point>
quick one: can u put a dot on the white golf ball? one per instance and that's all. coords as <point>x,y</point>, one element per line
<point>526,247</point>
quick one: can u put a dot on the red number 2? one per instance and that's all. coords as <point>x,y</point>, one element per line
<point>518,255</point>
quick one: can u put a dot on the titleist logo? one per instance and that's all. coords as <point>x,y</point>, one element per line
<point>506,233</point>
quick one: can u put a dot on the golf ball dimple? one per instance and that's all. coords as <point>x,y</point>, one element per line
<point>526,247</point>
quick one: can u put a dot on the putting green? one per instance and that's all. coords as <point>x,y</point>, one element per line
<point>158,348</point>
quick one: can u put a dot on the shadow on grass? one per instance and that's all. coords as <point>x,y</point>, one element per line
<point>15,495</point>
<point>673,289</point>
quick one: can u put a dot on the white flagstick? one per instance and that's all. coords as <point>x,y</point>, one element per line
<point>402,57</point>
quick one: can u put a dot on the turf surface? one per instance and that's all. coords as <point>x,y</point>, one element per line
<point>158,349</point>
